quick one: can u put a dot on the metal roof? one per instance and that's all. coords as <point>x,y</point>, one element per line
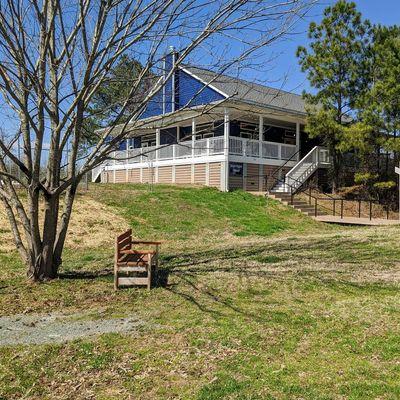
<point>249,92</point>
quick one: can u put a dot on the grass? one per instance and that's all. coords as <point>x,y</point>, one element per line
<point>281,309</point>
<point>181,214</point>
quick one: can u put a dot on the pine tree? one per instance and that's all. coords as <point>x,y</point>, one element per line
<point>335,63</point>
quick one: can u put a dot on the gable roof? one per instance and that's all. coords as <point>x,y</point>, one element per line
<point>249,92</point>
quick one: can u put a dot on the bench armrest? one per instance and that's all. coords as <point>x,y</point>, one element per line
<point>145,242</point>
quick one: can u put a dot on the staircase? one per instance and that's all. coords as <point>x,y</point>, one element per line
<point>285,189</point>
<point>96,172</point>
<point>318,157</point>
<point>299,205</point>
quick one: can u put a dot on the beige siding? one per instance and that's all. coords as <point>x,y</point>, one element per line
<point>252,178</point>
<point>215,174</point>
<point>200,174</point>
<point>235,182</point>
<point>183,174</point>
<point>269,170</point>
<point>120,176</point>
<point>165,174</point>
<point>134,175</point>
<point>107,177</point>
<point>148,175</point>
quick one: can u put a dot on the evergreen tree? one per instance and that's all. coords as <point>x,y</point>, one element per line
<point>380,105</point>
<point>111,95</point>
<point>335,63</point>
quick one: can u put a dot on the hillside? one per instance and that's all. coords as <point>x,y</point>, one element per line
<point>255,301</point>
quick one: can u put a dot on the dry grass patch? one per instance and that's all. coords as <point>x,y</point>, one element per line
<point>92,224</point>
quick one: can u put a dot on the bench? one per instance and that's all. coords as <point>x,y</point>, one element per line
<point>133,266</point>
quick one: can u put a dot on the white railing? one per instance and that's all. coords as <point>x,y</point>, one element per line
<point>97,171</point>
<point>316,158</point>
<point>200,148</point>
<point>251,148</point>
<point>270,150</point>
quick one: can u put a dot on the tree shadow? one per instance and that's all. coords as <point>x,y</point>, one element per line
<point>77,274</point>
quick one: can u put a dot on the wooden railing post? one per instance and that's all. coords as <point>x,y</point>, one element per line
<point>316,207</point>
<point>370,210</point>
<point>341,209</point>
<point>334,207</point>
<point>359,208</point>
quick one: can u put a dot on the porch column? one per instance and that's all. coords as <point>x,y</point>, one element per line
<point>225,163</point>
<point>260,154</point>
<point>157,142</point>
<point>193,134</point>
<point>298,139</point>
<point>260,133</point>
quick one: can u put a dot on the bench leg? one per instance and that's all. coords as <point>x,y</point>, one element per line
<point>150,260</point>
<point>115,277</point>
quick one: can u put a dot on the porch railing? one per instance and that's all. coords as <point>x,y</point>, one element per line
<point>199,148</point>
<point>255,148</point>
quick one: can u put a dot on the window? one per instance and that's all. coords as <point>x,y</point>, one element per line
<point>235,169</point>
<point>289,137</point>
<point>248,130</point>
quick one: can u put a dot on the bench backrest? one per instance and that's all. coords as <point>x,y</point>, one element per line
<point>123,242</point>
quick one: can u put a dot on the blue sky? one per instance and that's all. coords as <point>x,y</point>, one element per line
<point>286,68</point>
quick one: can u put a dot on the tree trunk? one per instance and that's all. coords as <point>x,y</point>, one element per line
<point>43,263</point>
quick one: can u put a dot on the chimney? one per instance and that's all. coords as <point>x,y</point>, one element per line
<point>171,87</point>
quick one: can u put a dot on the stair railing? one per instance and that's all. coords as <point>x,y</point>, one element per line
<point>314,158</point>
<point>275,173</point>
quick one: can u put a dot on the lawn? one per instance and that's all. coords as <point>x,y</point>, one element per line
<point>255,302</point>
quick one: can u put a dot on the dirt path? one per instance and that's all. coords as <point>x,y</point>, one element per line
<point>58,328</point>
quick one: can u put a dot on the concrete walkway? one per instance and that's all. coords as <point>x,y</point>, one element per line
<point>356,221</point>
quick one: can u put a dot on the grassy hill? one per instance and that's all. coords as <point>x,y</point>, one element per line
<point>181,214</point>
<point>256,302</point>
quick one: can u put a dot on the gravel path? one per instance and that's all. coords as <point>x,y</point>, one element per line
<point>59,328</point>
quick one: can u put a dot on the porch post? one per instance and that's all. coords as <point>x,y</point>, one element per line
<point>225,164</point>
<point>260,154</point>
<point>260,134</point>
<point>298,139</point>
<point>157,142</point>
<point>192,144</point>
<point>193,134</point>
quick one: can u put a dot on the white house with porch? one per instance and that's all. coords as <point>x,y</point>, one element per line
<point>204,128</point>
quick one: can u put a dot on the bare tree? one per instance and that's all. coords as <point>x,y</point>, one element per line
<point>55,54</point>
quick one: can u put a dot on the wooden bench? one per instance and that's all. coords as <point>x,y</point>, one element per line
<point>133,266</point>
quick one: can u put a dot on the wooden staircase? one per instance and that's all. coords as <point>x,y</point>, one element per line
<point>299,205</point>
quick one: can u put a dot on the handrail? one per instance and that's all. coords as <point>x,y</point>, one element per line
<point>335,199</point>
<point>292,193</point>
<point>301,160</point>
<point>312,159</point>
<point>273,175</point>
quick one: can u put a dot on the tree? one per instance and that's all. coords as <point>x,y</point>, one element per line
<point>54,57</point>
<point>335,64</point>
<point>380,104</point>
<point>109,99</point>
<point>378,107</point>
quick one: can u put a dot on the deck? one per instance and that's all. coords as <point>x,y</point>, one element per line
<point>356,221</point>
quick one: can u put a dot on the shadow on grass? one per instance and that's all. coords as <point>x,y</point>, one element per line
<point>159,280</point>
<point>85,274</point>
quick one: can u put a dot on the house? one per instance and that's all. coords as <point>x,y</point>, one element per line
<point>205,128</point>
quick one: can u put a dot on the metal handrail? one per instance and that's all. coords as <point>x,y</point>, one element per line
<point>329,197</point>
<point>282,166</point>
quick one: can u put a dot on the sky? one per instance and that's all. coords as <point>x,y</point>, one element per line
<point>286,68</point>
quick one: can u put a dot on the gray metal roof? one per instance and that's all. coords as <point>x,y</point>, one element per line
<point>249,92</point>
